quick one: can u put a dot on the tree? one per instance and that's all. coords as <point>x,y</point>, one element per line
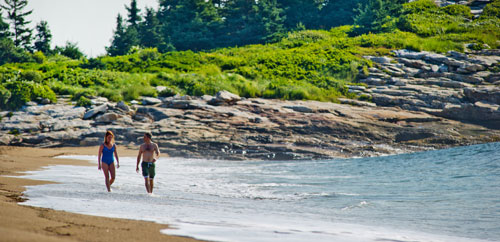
<point>4,28</point>
<point>150,32</point>
<point>123,39</point>
<point>338,12</point>
<point>300,12</point>
<point>43,37</point>
<point>71,50</point>
<point>270,20</point>
<point>190,24</point>
<point>22,33</point>
<point>377,15</point>
<point>134,16</point>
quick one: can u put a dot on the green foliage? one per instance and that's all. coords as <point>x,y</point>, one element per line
<point>39,57</point>
<point>22,92</point>
<point>18,18</point>
<point>458,10</point>
<point>83,102</point>
<point>70,50</point>
<point>43,37</point>
<point>492,10</point>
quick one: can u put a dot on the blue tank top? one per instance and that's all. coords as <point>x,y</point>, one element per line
<point>107,154</point>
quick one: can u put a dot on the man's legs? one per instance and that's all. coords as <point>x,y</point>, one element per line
<point>151,183</point>
<point>146,183</point>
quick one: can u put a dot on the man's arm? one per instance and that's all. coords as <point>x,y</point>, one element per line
<point>138,159</point>
<point>157,151</point>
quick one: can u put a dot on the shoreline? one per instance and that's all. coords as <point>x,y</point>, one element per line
<point>27,223</point>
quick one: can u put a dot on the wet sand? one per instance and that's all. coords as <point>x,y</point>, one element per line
<point>26,223</point>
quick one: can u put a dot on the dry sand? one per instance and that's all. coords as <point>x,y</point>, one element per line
<point>26,223</point>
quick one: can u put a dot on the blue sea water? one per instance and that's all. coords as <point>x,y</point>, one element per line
<point>442,195</point>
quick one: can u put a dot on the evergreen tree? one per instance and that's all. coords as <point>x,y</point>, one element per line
<point>22,33</point>
<point>270,20</point>
<point>377,15</point>
<point>239,25</point>
<point>4,28</point>
<point>190,24</point>
<point>300,12</point>
<point>43,37</point>
<point>71,50</point>
<point>123,39</point>
<point>150,32</point>
<point>338,12</point>
<point>134,16</point>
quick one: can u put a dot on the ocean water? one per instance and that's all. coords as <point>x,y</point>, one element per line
<point>443,195</point>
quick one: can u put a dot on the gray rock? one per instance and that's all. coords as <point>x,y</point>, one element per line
<point>154,113</point>
<point>380,60</point>
<point>301,109</point>
<point>150,101</point>
<point>225,98</point>
<point>488,94</point>
<point>5,139</point>
<point>160,88</point>
<point>108,118</point>
<point>46,101</point>
<point>464,78</point>
<point>99,101</point>
<point>356,102</point>
<point>121,105</point>
<point>91,141</point>
<point>412,63</point>
<point>95,111</point>
<point>457,55</point>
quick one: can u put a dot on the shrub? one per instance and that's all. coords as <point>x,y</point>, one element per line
<point>39,57</point>
<point>4,96</point>
<point>83,102</point>
<point>168,92</point>
<point>491,10</point>
<point>34,76</point>
<point>458,10</point>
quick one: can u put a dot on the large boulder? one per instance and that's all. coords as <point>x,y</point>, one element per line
<point>108,118</point>
<point>225,98</point>
<point>155,113</point>
<point>150,101</point>
<point>95,111</point>
<point>488,94</point>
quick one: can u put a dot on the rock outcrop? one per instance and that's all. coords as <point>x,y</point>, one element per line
<point>254,128</point>
<point>463,87</point>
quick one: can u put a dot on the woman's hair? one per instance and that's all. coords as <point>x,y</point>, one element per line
<point>108,133</point>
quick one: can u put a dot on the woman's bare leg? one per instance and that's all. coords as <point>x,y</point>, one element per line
<point>112,172</point>
<point>105,169</point>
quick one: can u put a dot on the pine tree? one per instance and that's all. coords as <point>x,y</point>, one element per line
<point>239,25</point>
<point>134,16</point>
<point>123,39</point>
<point>377,15</point>
<point>190,24</point>
<point>270,20</point>
<point>22,33</point>
<point>43,37</point>
<point>4,28</point>
<point>338,12</point>
<point>300,12</point>
<point>150,32</point>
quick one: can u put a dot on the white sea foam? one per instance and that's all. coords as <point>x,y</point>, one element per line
<point>213,200</point>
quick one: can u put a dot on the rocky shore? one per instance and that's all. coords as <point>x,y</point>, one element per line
<point>419,101</point>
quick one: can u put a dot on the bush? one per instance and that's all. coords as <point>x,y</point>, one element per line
<point>458,10</point>
<point>491,10</point>
<point>34,76</point>
<point>39,57</point>
<point>22,92</point>
<point>168,92</point>
<point>83,102</point>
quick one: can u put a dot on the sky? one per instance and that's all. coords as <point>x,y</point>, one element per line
<point>89,23</point>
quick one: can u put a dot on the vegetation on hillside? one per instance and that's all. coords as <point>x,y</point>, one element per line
<point>304,65</point>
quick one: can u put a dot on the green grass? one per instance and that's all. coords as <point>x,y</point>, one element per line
<point>306,65</point>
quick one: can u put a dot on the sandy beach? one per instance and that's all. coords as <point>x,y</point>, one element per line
<point>26,223</point>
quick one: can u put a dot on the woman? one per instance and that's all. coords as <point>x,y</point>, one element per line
<point>106,160</point>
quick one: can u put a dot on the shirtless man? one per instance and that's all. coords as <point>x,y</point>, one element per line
<point>148,151</point>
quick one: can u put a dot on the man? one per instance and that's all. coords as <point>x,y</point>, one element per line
<point>148,151</point>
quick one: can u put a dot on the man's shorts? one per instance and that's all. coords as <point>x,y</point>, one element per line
<point>148,169</point>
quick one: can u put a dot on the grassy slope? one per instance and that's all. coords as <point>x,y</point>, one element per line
<point>309,65</point>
